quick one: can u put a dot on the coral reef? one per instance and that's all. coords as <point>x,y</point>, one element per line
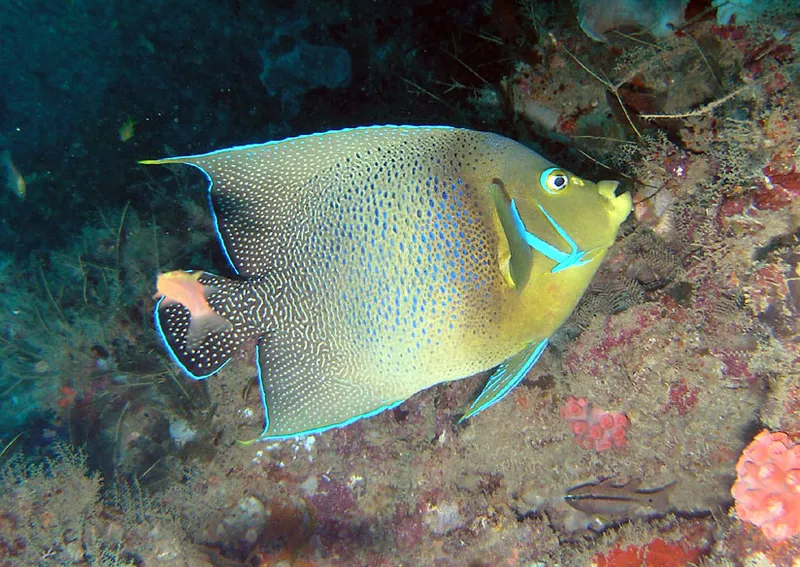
<point>659,17</point>
<point>689,332</point>
<point>746,11</point>
<point>53,514</point>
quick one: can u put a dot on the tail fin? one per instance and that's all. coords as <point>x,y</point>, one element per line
<point>202,344</point>
<point>659,498</point>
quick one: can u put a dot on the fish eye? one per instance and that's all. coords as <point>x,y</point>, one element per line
<point>554,180</point>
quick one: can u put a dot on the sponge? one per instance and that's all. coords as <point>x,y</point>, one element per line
<point>767,487</point>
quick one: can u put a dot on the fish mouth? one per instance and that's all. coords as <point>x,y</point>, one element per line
<point>619,206</point>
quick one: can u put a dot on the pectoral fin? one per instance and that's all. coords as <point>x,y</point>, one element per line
<point>514,255</point>
<point>506,377</point>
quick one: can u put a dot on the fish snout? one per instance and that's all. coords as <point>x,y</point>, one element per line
<point>619,206</point>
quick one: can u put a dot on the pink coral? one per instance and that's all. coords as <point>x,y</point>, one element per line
<point>767,487</point>
<point>594,428</point>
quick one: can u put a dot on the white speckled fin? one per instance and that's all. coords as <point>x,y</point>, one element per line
<point>258,192</point>
<point>201,345</point>
<point>203,325</point>
<point>304,391</point>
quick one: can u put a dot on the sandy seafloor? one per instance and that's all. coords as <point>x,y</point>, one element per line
<point>111,457</point>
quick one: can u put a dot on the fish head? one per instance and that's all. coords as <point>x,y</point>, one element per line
<point>590,213</point>
<point>553,229</point>
<point>569,220</point>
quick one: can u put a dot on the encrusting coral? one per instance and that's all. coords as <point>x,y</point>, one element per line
<point>767,487</point>
<point>594,428</point>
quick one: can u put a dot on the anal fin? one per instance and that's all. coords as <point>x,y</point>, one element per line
<point>306,395</point>
<point>505,378</point>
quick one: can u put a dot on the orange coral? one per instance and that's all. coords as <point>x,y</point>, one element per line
<point>767,487</point>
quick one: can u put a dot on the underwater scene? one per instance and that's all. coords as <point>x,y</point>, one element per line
<point>493,283</point>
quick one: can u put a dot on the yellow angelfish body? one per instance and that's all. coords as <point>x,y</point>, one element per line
<point>376,262</point>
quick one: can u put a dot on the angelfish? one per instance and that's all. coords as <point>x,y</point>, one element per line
<point>373,263</point>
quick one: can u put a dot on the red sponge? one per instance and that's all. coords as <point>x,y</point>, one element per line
<point>594,428</point>
<point>767,487</point>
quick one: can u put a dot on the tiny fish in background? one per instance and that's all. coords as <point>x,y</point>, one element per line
<point>616,502</point>
<point>376,262</point>
<point>127,130</point>
<point>14,179</point>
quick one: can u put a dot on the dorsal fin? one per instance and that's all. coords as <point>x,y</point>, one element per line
<point>261,194</point>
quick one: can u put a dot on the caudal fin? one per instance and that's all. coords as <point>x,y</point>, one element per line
<point>203,343</point>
